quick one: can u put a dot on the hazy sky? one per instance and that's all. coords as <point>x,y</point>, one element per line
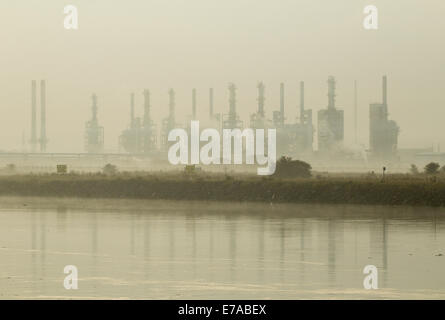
<point>126,46</point>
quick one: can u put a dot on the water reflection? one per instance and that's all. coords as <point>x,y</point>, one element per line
<point>331,251</point>
<point>150,249</point>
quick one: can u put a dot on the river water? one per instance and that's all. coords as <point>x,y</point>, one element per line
<point>212,250</point>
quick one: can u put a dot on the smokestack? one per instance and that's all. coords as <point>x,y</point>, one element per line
<point>302,102</point>
<point>146,107</point>
<point>261,98</point>
<point>331,92</point>
<point>194,104</point>
<point>94,108</point>
<point>282,101</point>
<point>211,102</point>
<point>232,102</point>
<point>384,90</point>
<point>23,142</point>
<point>355,111</point>
<point>43,140</point>
<point>33,116</point>
<point>132,110</point>
<point>171,103</point>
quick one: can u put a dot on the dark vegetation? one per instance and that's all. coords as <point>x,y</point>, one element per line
<point>109,169</point>
<point>396,189</point>
<point>288,168</point>
<point>432,168</point>
<point>292,182</point>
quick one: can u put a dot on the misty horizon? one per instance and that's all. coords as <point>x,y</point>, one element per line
<point>119,49</point>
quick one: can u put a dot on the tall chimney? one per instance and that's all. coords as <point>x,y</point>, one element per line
<point>132,110</point>
<point>384,90</point>
<point>171,104</point>
<point>146,107</point>
<point>302,102</point>
<point>211,102</point>
<point>43,140</point>
<point>232,102</point>
<point>194,104</point>
<point>33,116</point>
<point>331,92</point>
<point>94,109</point>
<point>282,101</point>
<point>355,111</point>
<point>261,98</point>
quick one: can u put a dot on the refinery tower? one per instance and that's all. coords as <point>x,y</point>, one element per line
<point>383,133</point>
<point>330,124</point>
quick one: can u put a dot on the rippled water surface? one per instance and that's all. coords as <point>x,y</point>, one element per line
<point>192,250</point>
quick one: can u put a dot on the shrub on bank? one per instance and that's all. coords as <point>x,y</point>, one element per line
<point>432,168</point>
<point>288,168</point>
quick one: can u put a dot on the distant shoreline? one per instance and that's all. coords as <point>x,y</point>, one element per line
<point>371,191</point>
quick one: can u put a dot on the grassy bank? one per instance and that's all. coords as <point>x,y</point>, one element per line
<point>358,190</point>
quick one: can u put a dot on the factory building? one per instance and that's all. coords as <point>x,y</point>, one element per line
<point>383,133</point>
<point>278,116</point>
<point>149,138</point>
<point>131,138</point>
<point>231,120</point>
<point>304,130</point>
<point>140,137</point>
<point>258,120</point>
<point>285,133</point>
<point>94,133</point>
<point>330,124</point>
<point>293,139</point>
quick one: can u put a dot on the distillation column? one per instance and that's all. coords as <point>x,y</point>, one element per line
<point>43,139</point>
<point>33,116</point>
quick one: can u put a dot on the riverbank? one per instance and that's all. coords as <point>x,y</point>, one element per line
<point>397,190</point>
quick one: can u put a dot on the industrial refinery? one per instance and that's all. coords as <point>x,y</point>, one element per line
<point>141,136</point>
<point>298,138</point>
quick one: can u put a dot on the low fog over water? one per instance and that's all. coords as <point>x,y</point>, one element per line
<point>188,250</point>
